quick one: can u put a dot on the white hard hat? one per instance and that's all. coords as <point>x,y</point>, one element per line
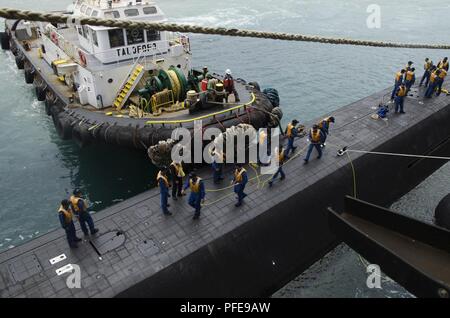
<point>228,71</point>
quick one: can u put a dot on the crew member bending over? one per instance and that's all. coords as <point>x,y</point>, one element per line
<point>324,126</point>
<point>79,207</point>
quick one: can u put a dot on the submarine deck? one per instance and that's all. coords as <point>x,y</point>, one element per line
<point>155,243</point>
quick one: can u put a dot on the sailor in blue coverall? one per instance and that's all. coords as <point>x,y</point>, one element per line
<point>198,193</point>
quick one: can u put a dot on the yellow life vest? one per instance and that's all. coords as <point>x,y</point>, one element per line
<point>398,76</point>
<point>67,214</point>
<point>315,136</point>
<point>281,156</point>
<point>289,130</point>
<point>427,66</point>
<point>443,74</point>
<point>195,186</point>
<point>178,169</point>
<point>160,176</point>
<point>443,65</point>
<point>409,75</point>
<point>74,200</point>
<point>402,92</point>
<point>327,119</point>
<point>238,175</point>
<point>433,77</point>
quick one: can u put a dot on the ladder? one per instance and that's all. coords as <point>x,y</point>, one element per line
<point>130,83</point>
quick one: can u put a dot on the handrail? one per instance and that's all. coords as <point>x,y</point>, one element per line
<point>181,121</point>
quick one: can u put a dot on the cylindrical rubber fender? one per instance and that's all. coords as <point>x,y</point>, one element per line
<point>442,213</point>
<point>81,134</point>
<point>109,134</point>
<point>144,137</point>
<point>63,124</point>
<point>20,61</point>
<point>49,102</point>
<point>40,92</point>
<point>29,73</point>
<point>29,76</point>
<point>125,136</point>
<point>13,48</point>
<point>255,85</point>
<point>4,39</point>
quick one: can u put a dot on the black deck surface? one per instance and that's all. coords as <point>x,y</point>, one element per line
<point>154,242</point>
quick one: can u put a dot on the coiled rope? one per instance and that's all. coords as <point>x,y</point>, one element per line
<point>9,13</point>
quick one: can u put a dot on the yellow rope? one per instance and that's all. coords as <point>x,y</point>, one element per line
<point>256,177</point>
<point>9,13</point>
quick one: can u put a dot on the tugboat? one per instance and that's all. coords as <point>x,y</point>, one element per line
<point>124,87</point>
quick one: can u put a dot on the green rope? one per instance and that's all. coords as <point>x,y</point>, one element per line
<point>9,13</point>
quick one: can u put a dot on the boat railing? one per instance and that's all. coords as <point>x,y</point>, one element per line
<point>66,46</point>
<point>180,122</point>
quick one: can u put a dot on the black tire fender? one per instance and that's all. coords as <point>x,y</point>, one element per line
<point>62,124</point>
<point>81,135</point>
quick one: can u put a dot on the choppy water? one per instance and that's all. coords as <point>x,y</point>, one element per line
<point>37,169</point>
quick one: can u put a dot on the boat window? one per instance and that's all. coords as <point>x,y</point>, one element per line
<point>94,13</point>
<point>135,36</point>
<point>94,37</point>
<point>153,35</point>
<point>116,38</point>
<point>83,8</point>
<point>77,5</point>
<point>85,31</point>
<point>150,10</point>
<point>131,12</point>
<point>112,14</point>
<point>89,11</point>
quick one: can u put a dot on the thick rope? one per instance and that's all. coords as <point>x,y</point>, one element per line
<point>9,13</point>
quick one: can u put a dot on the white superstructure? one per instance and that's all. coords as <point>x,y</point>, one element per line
<point>106,64</point>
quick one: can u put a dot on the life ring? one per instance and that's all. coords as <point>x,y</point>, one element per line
<point>54,38</point>
<point>82,58</point>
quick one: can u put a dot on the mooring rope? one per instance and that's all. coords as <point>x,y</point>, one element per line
<point>9,13</point>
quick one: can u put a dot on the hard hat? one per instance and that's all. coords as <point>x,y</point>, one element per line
<point>228,72</point>
<point>76,191</point>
